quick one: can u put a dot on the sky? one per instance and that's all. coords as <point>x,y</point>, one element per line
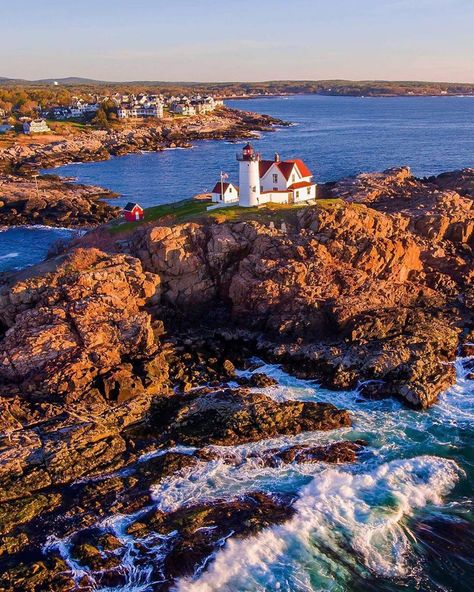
<point>238,40</point>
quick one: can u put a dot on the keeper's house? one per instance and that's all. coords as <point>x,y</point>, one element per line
<point>267,181</point>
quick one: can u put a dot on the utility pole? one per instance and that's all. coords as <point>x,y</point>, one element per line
<point>35,177</point>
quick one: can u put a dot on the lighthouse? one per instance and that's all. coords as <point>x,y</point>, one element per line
<point>249,177</point>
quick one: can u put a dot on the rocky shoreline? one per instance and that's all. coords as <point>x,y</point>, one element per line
<point>52,201</point>
<point>92,145</point>
<point>121,369</point>
<point>57,202</point>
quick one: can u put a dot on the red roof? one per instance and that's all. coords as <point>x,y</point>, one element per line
<point>303,169</point>
<point>218,188</point>
<point>131,206</point>
<point>301,184</point>
<point>264,165</point>
<point>285,166</point>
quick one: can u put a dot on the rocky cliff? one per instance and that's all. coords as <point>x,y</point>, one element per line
<point>110,359</point>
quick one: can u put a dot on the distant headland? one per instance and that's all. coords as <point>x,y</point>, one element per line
<point>337,87</point>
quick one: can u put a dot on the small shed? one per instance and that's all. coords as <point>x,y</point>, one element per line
<point>133,212</point>
<point>225,192</point>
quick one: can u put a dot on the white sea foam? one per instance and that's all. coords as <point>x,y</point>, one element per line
<point>357,517</point>
<point>9,256</point>
<point>349,520</point>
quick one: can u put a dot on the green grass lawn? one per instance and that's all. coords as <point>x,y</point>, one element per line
<point>191,210</point>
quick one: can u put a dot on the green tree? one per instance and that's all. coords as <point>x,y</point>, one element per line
<point>100,120</point>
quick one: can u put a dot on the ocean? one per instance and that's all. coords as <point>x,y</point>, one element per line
<point>400,518</point>
<point>335,136</point>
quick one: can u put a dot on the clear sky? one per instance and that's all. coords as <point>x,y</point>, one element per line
<point>229,40</point>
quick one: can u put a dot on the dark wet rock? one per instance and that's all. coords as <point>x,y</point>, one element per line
<point>223,454</point>
<point>334,453</point>
<point>467,349</point>
<point>257,380</point>
<point>196,532</point>
<point>96,550</point>
<point>230,417</point>
<point>37,575</point>
<point>23,510</point>
<point>193,363</point>
<point>159,467</point>
<point>337,453</point>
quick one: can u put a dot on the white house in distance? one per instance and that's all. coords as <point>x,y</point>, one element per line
<point>36,126</point>
<point>267,181</point>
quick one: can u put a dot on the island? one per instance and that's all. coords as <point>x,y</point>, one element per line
<point>130,359</point>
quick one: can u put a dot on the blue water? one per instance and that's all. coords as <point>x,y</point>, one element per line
<point>356,526</point>
<point>23,246</point>
<point>336,136</point>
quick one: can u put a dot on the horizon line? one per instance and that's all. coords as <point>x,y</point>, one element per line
<point>196,82</point>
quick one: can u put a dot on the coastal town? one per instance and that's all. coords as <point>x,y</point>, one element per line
<point>118,107</point>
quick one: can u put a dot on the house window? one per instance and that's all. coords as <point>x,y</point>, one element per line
<point>230,189</point>
<point>293,178</point>
<point>309,190</point>
<point>297,194</point>
<point>275,178</point>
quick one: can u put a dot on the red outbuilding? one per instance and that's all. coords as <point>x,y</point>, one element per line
<point>133,212</point>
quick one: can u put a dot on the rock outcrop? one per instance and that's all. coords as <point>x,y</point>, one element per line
<point>94,145</point>
<point>230,417</point>
<point>50,201</point>
<point>75,324</point>
<point>349,292</point>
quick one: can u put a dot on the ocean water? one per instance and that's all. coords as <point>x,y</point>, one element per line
<point>355,526</point>
<point>336,136</point>
<point>26,245</point>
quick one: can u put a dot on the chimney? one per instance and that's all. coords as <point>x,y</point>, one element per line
<point>277,157</point>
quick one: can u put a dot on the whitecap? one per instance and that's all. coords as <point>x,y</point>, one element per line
<point>9,256</point>
<point>357,518</point>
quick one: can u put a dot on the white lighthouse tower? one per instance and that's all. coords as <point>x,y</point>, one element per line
<point>249,177</point>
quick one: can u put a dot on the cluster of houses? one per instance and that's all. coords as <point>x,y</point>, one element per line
<point>131,106</point>
<point>142,105</point>
<point>145,105</point>
<point>194,105</point>
<point>78,109</point>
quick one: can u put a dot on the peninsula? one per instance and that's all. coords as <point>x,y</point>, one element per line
<point>143,338</point>
<point>52,201</point>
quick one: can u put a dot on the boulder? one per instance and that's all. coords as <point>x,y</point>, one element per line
<point>234,416</point>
